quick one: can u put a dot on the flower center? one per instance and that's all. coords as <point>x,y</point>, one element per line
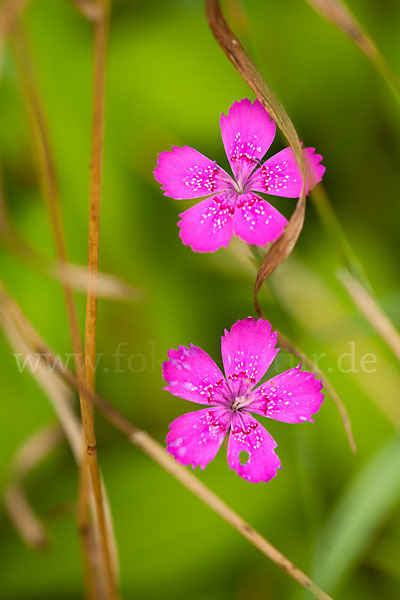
<point>241,185</point>
<point>240,402</point>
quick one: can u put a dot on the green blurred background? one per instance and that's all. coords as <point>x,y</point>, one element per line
<point>335,514</point>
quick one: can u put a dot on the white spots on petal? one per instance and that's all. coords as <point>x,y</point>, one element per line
<point>189,386</point>
<point>213,428</point>
<point>255,212</point>
<point>248,435</point>
<point>219,213</point>
<point>202,180</point>
<point>194,438</point>
<point>276,177</point>
<point>194,374</point>
<point>244,151</point>
<point>275,400</point>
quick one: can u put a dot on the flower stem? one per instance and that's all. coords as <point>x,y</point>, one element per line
<point>50,186</point>
<point>99,60</point>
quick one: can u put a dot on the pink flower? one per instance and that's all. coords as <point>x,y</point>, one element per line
<point>247,352</point>
<point>232,206</point>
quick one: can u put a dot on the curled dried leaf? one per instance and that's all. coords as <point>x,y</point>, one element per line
<point>233,49</point>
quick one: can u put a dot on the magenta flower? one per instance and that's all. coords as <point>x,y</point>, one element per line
<point>232,206</point>
<point>247,352</point>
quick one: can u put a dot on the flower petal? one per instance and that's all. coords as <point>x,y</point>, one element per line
<point>193,375</point>
<point>280,175</point>
<point>186,173</point>
<point>249,437</point>
<point>248,349</point>
<point>208,225</point>
<point>256,221</point>
<point>247,133</point>
<point>195,438</point>
<point>291,397</point>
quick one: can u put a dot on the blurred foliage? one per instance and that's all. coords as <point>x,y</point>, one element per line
<point>168,83</point>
